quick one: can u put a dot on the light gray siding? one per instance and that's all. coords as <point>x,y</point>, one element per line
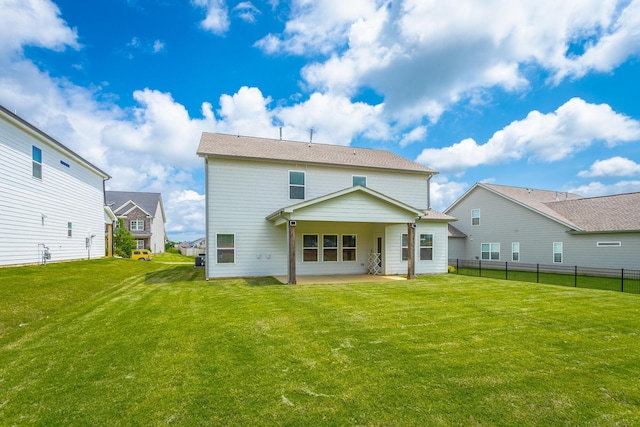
<point>504,221</point>
<point>37,211</point>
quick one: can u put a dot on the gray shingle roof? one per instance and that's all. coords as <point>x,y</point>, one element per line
<point>234,146</point>
<point>618,212</point>
<point>117,200</point>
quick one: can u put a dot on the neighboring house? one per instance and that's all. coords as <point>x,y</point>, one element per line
<point>277,207</point>
<point>51,199</point>
<point>143,215</point>
<point>513,224</point>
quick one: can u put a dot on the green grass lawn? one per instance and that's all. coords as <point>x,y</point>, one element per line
<point>115,342</point>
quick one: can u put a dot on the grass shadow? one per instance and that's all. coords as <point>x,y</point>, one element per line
<point>263,281</point>
<point>179,273</point>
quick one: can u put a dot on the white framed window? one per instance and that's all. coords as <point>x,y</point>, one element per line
<point>36,162</point>
<point>349,247</point>
<point>296,185</point>
<point>515,251</point>
<point>475,216</point>
<point>140,244</point>
<point>404,247</point>
<point>426,247</point>
<point>309,248</point>
<point>330,247</point>
<point>557,252</point>
<point>225,248</point>
<point>490,251</point>
<point>608,244</point>
<point>69,229</point>
<point>137,225</point>
<point>359,180</point>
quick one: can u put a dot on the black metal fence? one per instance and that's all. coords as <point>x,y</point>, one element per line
<point>620,280</point>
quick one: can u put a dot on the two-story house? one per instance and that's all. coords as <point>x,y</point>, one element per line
<point>143,215</point>
<point>527,225</point>
<point>287,208</point>
<point>51,200</point>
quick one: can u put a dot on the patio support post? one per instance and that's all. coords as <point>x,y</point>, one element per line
<point>291,276</point>
<point>411,263</point>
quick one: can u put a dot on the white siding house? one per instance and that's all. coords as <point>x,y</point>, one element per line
<point>278,208</point>
<point>525,225</point>
<point>50,197</point>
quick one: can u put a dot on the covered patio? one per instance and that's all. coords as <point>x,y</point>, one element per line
<point>340,278</point>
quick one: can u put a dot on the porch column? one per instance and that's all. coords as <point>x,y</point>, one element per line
<point>291,277</point>
<point>411,249</point>
<point>110,240</point>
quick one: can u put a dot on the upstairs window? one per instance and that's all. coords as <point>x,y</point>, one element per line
<point>296,185</point>
<point>475,216</point>
<point>36,157</point>
<point>69,229</point>
<point>359,180</point>
<point>426,247</point>
<point>137,225</point>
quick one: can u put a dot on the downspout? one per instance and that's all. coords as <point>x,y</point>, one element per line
<point>208,239</point>
<point>429,192</point>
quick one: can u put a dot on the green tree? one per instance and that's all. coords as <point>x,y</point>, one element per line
<point>123,240</point>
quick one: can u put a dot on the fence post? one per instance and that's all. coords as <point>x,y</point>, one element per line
<point>480,268</point>
<point>506,270</point>
<point>458,265</point>
<point>537,273</point>
<point>622,280</point>
<point>575,277</point>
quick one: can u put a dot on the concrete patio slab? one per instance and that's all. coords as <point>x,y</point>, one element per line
<point>340,278</point>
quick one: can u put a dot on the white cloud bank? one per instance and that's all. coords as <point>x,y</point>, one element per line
<point>550,137</point>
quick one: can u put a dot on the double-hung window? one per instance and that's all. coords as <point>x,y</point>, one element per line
<point>226,248</point>
<point>475,216</point>
<point>36,157</point>
<point>139,244</point>
<point>309,248</point>
<point>515,251</point>
<point>426,247</point>
<point>348,247</point>
<point>557,252</point>
<point>330,247</point>
<point>491,251</point>
<point>404,247</point>
<point>69,229</point>
<point>296,185</point>
<point>137,225</point>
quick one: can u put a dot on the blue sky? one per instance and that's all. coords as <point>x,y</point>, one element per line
<point>540,94</point>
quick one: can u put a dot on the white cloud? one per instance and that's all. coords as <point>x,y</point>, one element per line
<point>217,15</point>
<point>445,192</point>
<point>33,23</point>
<point>613,167</point>
<point>246,11</point>
<point>550,137</point>
<point>423,56</point>
<point>158,46</point>
<point>335,120</point>
<point>596,188</point>
<point>417,134</point>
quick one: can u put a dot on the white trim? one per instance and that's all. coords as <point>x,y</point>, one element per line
<point>337,248</point>
<point>561,253</point>
<point>216,248</point>
<point>343,247</point>
<point>304,185</point>
<point>317,247</point>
